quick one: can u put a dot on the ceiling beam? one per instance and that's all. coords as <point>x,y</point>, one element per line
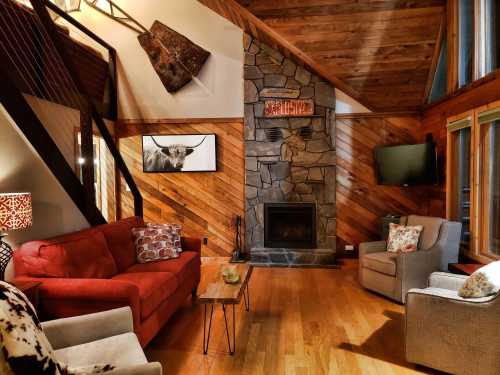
<point>252,25</point>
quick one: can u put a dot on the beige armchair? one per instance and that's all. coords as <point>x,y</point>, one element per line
<point>450,333</point>
<point>101,338</point>
<point>393,275</point>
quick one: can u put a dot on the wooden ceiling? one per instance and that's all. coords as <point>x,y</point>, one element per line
<point>381,52</point>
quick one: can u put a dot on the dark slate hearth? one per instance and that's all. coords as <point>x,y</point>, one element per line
<point>278,258</point>
<point>288,159</point>
<point>270,257</point>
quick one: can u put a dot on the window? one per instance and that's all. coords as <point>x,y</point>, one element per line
<point>459,175</point>
<point>489,49</point>
<point>465,42</point>
<point>440,82</point>
<point>473,179</point>
<point>489,172</point>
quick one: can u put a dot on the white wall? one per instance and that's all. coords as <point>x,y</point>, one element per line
<point>22,170</point>
<point>346,104</point>
<point>141,93</point>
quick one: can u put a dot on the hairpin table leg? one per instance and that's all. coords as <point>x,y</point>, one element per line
<point>206,339</point>
<point>231,350</point>
<point>246,297</point>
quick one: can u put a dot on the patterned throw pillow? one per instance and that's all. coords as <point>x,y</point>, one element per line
<point>484,282</point>
<point>24,348</point>
<point>403,239</point>
<point>157,242</point>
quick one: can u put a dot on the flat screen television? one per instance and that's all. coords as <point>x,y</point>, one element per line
<point>406,165</point>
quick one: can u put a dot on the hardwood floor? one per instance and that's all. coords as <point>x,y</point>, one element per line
<point>301,322</point>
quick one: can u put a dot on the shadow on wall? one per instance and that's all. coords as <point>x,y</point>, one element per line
<point>22,170</point>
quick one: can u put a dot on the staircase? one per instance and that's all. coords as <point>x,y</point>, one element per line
<point>62,96</point>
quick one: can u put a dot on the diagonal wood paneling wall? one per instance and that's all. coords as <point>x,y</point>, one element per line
<point>360,201</point>
<point>205,203</point>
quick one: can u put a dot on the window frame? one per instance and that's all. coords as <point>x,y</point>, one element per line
<point>453,39</point>
<point>479,216</point>
<point>483,168</point>
<point>450,198</point>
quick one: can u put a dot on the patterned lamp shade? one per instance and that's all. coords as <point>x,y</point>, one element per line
<point>15,211</point>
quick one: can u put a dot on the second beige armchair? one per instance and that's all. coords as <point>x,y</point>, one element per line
<point>393,275</point>
<point>100,338</point>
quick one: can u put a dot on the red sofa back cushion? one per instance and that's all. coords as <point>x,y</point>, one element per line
<point>83,254</point>
<point>120,242</point>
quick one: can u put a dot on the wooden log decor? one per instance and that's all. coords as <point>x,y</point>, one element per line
<point>289,108</point>
<point>175,58</point>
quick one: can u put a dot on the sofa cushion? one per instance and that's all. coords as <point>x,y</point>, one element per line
<point>121,351</point>
<point>154,288</point>
<point>82,255</point>
<point>183,267</point>
<point>430,233</point>
<point>120,242</point>
<point>383,262</point>
<point>157,242</point>
<point>403,238</point>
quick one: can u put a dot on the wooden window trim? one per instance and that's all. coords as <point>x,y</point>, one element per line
<point>452,39</point>
<point>449,166</point>
<point>479,217</point>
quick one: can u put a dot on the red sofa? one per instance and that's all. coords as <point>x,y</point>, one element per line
<point>95,270</point>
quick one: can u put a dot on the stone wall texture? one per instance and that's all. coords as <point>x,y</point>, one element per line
<point>287,159</point>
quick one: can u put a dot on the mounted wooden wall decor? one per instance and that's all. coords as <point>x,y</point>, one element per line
<point>175,58</point>
<point>360,201</point>
<point>289,108</point>
<point>206,204</point>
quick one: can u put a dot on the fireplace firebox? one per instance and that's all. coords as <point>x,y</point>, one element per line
<point>290,225</point>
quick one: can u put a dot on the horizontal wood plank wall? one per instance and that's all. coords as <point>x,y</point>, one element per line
<point>360,201</point>
<point>482,92</point>
<point>205,203</point>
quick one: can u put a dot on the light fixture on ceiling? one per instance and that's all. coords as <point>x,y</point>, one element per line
<point>68,5</point>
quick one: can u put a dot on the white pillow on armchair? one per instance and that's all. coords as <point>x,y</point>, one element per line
<point>484,282</point>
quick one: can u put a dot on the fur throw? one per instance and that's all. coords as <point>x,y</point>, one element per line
<point>24,348</point>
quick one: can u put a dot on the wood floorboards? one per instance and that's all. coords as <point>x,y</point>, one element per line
<point>301,322</point>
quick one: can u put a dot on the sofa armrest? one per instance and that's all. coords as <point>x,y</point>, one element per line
<point>440,329</point>
<point>83,329</point>
<point>445,280</point>
<point>153,368</point>
<point>414,268</point>
<point>191,244</point>
<point>372,247</point>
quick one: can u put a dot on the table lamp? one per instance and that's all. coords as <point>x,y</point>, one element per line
<point>15,213</point>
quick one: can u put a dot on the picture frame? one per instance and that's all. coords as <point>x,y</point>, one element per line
<point>173,153</point>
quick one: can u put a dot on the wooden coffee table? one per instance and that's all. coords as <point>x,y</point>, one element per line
<point>213,290</point>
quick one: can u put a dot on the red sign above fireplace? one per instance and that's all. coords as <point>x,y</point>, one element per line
<point>289,108</point>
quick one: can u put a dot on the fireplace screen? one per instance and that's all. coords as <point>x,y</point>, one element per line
<point>290,225</point>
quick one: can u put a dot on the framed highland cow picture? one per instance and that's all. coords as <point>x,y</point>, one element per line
<point>179,153</point>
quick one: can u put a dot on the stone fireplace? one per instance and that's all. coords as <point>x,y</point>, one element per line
<point>289,162</point>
